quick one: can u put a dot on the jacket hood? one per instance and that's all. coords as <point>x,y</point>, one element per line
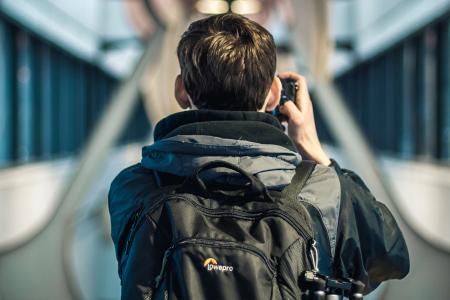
<point>236,137</point>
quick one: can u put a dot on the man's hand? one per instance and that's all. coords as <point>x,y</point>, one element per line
<point>301,124</point>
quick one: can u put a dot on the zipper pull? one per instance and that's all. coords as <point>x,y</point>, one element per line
<point>314,256</point>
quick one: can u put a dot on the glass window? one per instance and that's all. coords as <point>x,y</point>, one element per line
<point>6,95</point>
<point>26,103</point>
<point>444,92</point>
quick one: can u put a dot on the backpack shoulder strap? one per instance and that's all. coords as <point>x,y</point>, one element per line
<point>302,173</point>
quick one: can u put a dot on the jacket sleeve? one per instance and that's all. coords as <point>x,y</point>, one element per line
<point>127,193</point>
<point>132,230</point>
<point>144,261</point>
<point>370,246</point>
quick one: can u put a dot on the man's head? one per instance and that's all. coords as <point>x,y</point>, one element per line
<point>227,62</point>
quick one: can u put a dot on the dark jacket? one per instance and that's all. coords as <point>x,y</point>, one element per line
<point>357,236</point>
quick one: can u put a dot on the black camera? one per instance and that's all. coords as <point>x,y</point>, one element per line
<point>288,92</point>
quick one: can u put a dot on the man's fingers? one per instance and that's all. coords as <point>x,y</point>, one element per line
<point>302,98</point>
<point>290,110</point>
<point>289,75</point>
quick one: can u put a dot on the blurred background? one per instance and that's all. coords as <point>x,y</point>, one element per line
<point>83,82</point>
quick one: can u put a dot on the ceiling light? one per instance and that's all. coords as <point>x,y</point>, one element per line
<point>212,7</point>
<point>246,7</point>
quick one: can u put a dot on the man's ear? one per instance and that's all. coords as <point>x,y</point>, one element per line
<point>180,93</point>
<point>274,94</point>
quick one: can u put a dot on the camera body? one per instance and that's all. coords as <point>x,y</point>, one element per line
<point>288,93</point>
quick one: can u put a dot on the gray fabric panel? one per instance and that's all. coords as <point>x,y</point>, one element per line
<point>210,145</point>
<point>323,190</point>
<point>272,171</point>
<point>181,155</point>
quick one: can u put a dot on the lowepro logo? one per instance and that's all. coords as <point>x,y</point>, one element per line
<point>211,265</point>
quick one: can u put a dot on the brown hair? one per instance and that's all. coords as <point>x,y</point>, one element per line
<point>227,62</point>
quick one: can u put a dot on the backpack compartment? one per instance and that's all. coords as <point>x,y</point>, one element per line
<point>225,252</point>
<point>211,269</point>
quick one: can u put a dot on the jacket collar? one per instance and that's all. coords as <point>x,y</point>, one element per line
<point>250,126</point>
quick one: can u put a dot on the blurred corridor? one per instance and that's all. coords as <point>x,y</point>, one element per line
<point>82,83</point>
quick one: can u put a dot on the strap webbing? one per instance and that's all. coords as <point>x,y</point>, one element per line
<point>302,173</point>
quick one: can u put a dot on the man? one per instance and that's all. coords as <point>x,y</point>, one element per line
<point>228,81</point>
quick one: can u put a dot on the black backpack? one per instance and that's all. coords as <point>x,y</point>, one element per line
<point>228,241</point>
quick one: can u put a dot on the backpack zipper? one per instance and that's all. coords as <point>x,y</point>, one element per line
<point>241,214</point>
<point>250,215</point>
<point>312,243</point>
<point>211,243</point>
